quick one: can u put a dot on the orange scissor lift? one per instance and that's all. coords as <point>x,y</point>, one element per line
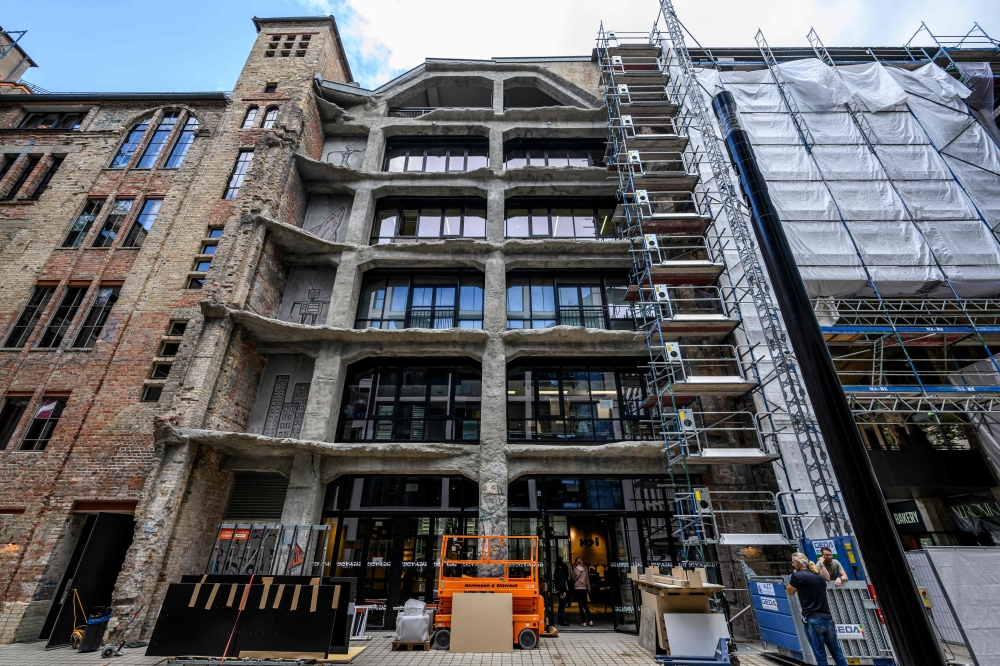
<point>497,564</point>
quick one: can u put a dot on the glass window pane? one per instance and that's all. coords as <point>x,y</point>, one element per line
<point>539,222</point>
<point>605,225</point>
<point>583,219</point>
<point>456,159</point>
<point>395,159</point>
<point>437,157</point>
<point>543,299</point>
<point>478,158</point>
<point>562,223</point>
<point>517,159</point>
<point>430,223</point>
<point>475,223</point>
<point>385,226</point>
<point>408,223</point>
<point>452,222</point>
<point>517,223</point>
<point>579,158</point>
<point>415,159</point>
<point>558,157</point>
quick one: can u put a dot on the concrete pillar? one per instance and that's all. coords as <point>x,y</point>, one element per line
<point>496,158</point>
<point>498,96</point>
<point>344,295</point>
<point>358,232</point>
<point>493,441</point>
<point>323,406</point>
<point>495,301</point>
<point>304,499</point>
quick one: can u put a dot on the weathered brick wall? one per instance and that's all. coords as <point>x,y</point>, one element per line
<point>236,386</point>
<point>268,281</point>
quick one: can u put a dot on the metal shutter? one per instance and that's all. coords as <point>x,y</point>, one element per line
<point>257,496</point>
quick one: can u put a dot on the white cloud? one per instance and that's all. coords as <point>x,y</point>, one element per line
<point>391,36</point>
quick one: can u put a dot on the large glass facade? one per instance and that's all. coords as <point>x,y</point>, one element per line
<point>420,299</point>
<point>519,153</point>
<point>409,220</point>
<point>540,299</point>
<point>411,400</point>
<point>576,401</point>
<point>436,155</point>
<point>387,534</point>
<point>560,217</point>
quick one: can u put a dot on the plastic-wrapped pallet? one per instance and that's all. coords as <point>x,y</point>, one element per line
<point>413,624</point>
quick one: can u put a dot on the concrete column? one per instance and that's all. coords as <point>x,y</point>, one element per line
<point>322,408</point>
<point>344,295</point>
<point>498,96</point>
<point>495,301</point>
<point>494,215</point>
<point>493,441</point>
<point>373,151</point>
<point>304,499</point>
<point>358,232</point>
<point>496,154</point>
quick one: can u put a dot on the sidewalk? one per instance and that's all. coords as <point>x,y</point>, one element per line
<point>599,648</point>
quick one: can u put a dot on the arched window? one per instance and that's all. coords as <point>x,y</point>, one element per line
<point>250,117</point>
<point>269,118</point>
<point>159,140</point>
<point>130,145</point>
<point>184,142</point>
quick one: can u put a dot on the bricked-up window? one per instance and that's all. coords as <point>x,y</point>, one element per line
<point>409,220</point>
<point>70,121</point>
<point>10,415</point>
<point>249,119</point>
<point>43,184</point>
<point>21,179</point>
<point>30,315</point>
<point>143,223</point>
<point>84,221</point>
<point>270,117</point>
<point>42,424</point>
<point>132,142</point>
<point>239,173</point>
<point>159,140</point>
<point>112,223</point>
<point>183,144</point>
<point>62,318</point>
<point>98,315</point>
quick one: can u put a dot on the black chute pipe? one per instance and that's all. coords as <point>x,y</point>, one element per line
<point>913,638</point>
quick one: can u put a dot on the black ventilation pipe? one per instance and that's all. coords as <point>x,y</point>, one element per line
<point>913,638</point>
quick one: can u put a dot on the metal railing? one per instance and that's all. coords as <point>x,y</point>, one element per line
<point>655,304</point>
<point>690,363</point>
<point>924,312</point>
<point>689,433</point>
<point>667,250</point>
<point>402,429</point>
<point>423,317</point>
<point>651,163</point>
<point>610,317</point>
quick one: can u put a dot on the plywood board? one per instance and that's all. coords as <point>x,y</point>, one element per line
<point>654,608</point>
<point>482,623</point>
<point>694,634</point>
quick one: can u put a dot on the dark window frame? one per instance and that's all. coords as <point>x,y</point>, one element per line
<point>610,315</point>
<point>131,144</point>
<point>378,424</point>
<point>100,308</point>
<point>250,118</point>
<point>468,205</point>
<point>11,414</point>
<point>175,160</point>
<point>78,231</point>
<point>270,118</point>
<point>139,228</point>
<point>236,179</point>
<point>454,147</point>
<point>22,178</point>
<point>75,119</point>
<point>43,184</point>
<point>40,430</point>
<point>62,317</point>
<point>593,151</point>
<point>120,210</point>
<point>30,315</point>
<point>161,135</point>
<point>414,316</point>
<point>601,210</point>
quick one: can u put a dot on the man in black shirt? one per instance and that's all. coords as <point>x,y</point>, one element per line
<point>820,629</point>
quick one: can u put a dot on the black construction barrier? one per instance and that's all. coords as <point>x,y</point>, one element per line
<point>272,616</point>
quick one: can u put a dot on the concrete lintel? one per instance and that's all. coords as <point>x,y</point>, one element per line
<point>282,464</point>
<point>568,459</point>
<point>458,252</point>
<point>572,341</point>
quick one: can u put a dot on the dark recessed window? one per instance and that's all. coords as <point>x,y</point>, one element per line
<point>401,221</point>
<point>84,221</point>
<point>160,370</point>
<point>417,299</point>
<point>10,415</point>
<point>553,153</point>
<point>239,173</point>
<point>539,299</point>
<point>411,401</point>
<point>271,87</point>
<point>436,155</point>
<point>64,121</point>
<point>100,309</point>
<point>29,317</point>
<point>209,248</point>
<point>169,348</point>
<point>42,424</point>
<point>62,318</point>
<point>177,328</point>
<point>183,144</point>
<point>560,218</point>
<point>159,140</point>
<point>23,177</point>
<point>196,283</point>
<point>112,223</point>
<point>130,145</point>
<point>574,402</point>
<point>143,223</point>
<point>151,393</point>
<point>202,266</point>
<point>43,184</point>
<point>270,117</point>
<point>8,162</point>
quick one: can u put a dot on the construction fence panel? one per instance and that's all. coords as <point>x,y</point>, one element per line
<point>970,578</point>
<point>941,613</point>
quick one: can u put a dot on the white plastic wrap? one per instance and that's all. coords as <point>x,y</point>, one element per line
<point>917,218</point>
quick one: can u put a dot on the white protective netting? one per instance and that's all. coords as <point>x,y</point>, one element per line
<point>918,215</point>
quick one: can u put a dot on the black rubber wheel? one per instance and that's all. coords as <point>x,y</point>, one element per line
<point>107,652</point>
<point>442,639</point>
<point>527,639</point>
<point>734,661</point>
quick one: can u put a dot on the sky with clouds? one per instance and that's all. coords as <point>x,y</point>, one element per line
<point>184,45</point>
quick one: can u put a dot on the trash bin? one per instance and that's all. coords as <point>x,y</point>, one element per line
<point>97,624</point>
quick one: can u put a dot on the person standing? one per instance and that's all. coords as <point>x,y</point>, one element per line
<point>581,588</point>
<point>562,589</point>
<point>810,586</point>
<point>831,569</point>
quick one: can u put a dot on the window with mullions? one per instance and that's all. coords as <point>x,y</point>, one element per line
<point>183,144</point>
<point>560,218</point>
<point>65,121</point>
<point>30,315</point>
<point>159,140</point>
<point>436,155</point>
<point>519,153</point>
<point>270,117</point>
<point>249,119</point>
<point>593,300</point>
<point>112,223</point>
<point>62,318</point>
<point>404,221</point>
<point>421,300</point>
<point>143,223</point>
<point>10,416</point>
<point>100,309</point>
<point>239,173</point>
<point>42,424</point>
<point>410,400</point>
<point>575,402</point>
<point>130,145</point>
<point>84,221</point>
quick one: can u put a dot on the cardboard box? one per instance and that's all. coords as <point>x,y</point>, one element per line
<point>482,622</point>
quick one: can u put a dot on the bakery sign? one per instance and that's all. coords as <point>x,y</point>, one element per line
<point>906,517</point>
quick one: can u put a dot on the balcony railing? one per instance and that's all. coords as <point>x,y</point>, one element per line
<point>388,429</point>
<point>410,111</point>
<point>424,317</point>
<point>612,317</point>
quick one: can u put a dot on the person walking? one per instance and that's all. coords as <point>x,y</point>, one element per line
<point>581,588</point>
<point>810,586</point>
<point>562,589</point>
<point>831,569</point>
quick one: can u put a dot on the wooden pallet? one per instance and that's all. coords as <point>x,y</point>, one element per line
<point>399,645</point>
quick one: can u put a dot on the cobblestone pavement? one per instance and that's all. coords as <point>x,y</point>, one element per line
<point>579,648</point>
